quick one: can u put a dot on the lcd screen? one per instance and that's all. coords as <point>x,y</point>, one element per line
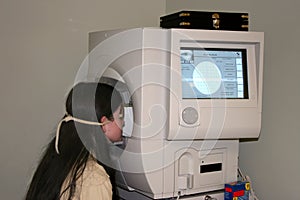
<point>214,73</point>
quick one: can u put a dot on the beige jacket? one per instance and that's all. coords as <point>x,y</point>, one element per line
<point>94,184</point>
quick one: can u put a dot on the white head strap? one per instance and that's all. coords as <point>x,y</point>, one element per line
<point>71,118</point>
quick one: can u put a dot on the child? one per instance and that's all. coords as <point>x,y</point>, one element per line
<point>76,163</point>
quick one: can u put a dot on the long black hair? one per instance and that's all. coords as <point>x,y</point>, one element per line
<point>86,101</point>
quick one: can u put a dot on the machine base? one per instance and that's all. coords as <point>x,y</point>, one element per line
<point>215,195</point>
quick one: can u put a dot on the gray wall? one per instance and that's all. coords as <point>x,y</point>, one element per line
<point>272,162</point>
<point>42,45</point>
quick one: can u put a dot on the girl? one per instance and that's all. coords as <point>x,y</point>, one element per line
<point>76,163</point>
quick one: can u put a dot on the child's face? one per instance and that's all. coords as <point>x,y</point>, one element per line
<point>113,130</point>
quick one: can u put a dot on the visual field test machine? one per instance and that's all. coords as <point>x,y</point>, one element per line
<point>189,96</point>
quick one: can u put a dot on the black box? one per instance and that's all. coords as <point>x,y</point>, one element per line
<point>206,20</point>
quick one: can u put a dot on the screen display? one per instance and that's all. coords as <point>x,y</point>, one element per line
<point>214,73</point>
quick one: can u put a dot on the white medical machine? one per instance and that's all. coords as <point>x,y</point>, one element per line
<point>190,96</point>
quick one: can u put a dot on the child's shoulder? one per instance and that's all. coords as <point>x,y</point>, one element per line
<point>94,174</point>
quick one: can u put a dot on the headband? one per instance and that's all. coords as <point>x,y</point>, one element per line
<point>71,118</point>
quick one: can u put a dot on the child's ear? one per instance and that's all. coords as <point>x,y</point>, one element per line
<point>103,120</point>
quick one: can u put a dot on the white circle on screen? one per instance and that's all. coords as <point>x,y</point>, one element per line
<point>207,77</point>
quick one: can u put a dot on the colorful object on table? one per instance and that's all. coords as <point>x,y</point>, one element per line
<point>238,190</point>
